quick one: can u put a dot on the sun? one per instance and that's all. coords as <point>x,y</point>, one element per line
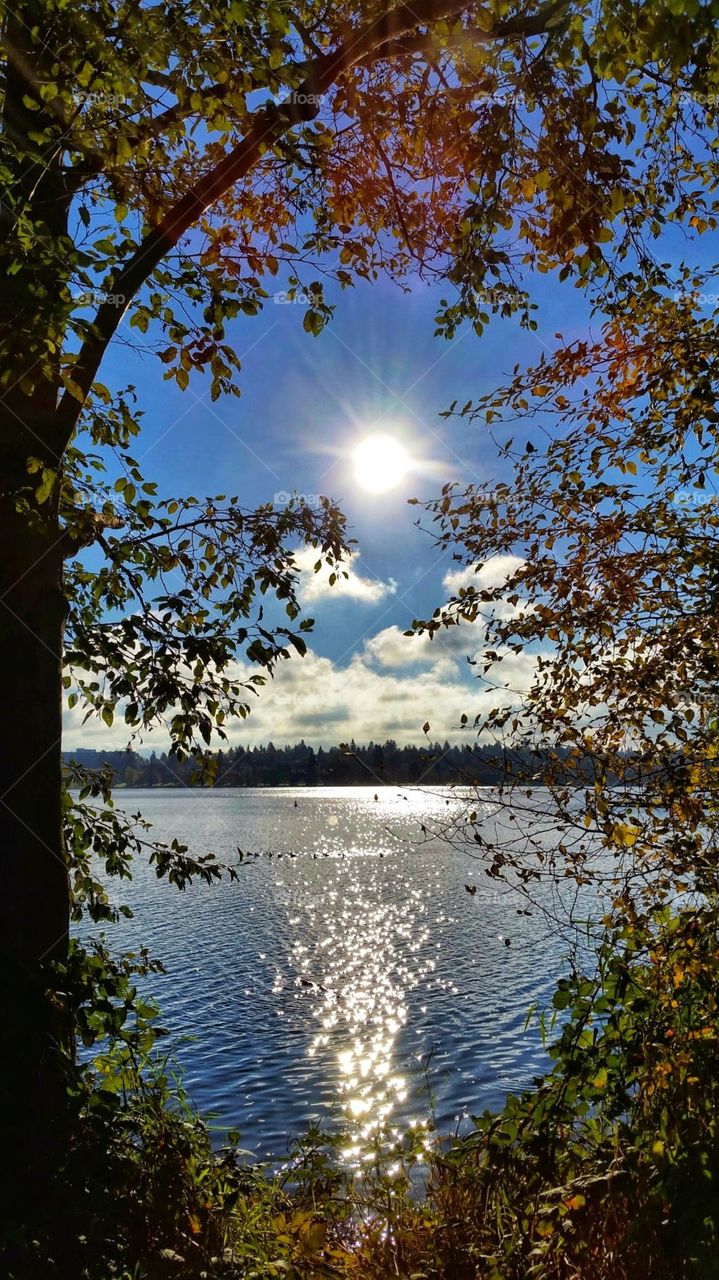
<point>380,463</point>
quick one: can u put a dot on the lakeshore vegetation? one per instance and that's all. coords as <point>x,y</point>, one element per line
<point>349,764</point>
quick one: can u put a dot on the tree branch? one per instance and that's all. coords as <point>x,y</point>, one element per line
<point>388,35</point>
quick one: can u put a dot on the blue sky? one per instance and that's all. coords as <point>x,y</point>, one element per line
<point>306,403</point>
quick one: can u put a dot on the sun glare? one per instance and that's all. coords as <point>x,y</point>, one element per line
<point>380,463</point>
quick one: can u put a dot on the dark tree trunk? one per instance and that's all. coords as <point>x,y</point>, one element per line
<point>34,898</point>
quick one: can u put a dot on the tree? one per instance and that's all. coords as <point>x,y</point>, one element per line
<point>611,531</point>
<point>610,525</point>
<point>147,163</point>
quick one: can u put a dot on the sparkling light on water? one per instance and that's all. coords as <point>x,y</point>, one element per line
<point>345,974</point>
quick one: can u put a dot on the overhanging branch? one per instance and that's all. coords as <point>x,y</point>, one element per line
<point>391,34</point>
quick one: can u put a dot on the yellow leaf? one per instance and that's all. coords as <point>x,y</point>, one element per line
<point>624,834</point>
<point>73,388</point>
<point>576,1202</point>
<point>47,483</point>
<point>123,150</point>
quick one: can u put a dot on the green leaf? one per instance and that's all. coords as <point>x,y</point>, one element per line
<point>123,149</point>
<point>45,488</point>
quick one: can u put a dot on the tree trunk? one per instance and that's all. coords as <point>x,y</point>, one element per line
<point>34,897</point>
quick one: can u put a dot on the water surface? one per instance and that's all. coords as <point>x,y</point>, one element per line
<point>347,976</point>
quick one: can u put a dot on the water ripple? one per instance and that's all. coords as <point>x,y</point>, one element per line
<point>347,978</point>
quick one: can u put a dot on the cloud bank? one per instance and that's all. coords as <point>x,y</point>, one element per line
<point>390,686</point>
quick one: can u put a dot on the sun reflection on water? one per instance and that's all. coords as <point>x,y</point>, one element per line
<point>370,926</point>
<point>346,979</point>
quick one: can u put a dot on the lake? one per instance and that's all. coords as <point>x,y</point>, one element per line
<point>347,977</point>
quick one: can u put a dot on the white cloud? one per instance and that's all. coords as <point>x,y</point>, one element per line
<point>316,586</point>
<point>392,648</point>
<point>387,689</point>
<point>367,697</point>
<point>324,702</point>
<point>492,574</point>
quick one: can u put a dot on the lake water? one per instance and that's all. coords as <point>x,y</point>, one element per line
<point>354,982</point>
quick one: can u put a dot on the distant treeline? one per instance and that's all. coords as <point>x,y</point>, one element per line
<point>301,765</point>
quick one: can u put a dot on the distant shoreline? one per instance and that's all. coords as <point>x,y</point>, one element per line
<point>372,765</point>
<point>290,786</point>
